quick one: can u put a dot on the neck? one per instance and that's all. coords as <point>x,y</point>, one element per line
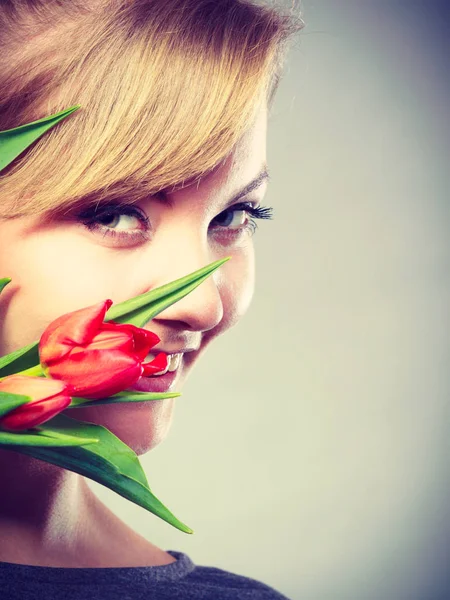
<point>41,508</point>
<point>50,517</point>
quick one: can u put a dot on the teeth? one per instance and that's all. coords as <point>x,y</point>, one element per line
<point>160,373</point>
<point>173,362</point>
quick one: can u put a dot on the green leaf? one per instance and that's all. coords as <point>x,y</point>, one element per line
<point>110,462</point>
<point>137,311</point>
<point>4,282</point>
<point>40,438</point>
<point>14,141</point>
<point>10,401</point>
<point>21,359</point>
<point>123,397</point>
<point>141,309</point>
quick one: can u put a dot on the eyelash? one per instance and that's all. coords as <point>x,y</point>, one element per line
<point>254,212</point>
<point>90,217</point>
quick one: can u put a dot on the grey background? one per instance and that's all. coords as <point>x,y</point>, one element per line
<point>310,447</point>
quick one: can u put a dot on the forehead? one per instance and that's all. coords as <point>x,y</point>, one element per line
<point>249,155</point>
<point>251,150</point>
<point>243,164</point>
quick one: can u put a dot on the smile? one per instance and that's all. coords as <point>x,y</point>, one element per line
<point>173,362</point>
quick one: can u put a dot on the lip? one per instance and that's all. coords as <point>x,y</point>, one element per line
<point>158,384</point>
<point>185,350</point>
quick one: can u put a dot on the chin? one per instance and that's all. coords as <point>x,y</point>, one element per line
<point>141,426</point>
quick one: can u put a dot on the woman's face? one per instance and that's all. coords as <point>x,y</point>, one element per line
<point>69,263</point>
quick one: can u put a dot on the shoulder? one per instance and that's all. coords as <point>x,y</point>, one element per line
<point>178,580</point>
<point>211,582</point>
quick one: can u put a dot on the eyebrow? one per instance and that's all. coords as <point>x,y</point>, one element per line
<point>255,183</point>
<point>263,175</point>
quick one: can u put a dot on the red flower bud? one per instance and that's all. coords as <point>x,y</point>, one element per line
<point>94,358</point>
<point>48,398</point>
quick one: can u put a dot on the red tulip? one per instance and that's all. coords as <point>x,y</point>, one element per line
<point>94,358</point>
<point>48,398</point>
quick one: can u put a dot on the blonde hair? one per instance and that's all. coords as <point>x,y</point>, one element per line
<point>166,88</point>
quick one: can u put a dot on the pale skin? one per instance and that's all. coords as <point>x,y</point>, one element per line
<point>49,516</point>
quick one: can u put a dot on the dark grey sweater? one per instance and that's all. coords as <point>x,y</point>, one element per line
<point>180,580</point>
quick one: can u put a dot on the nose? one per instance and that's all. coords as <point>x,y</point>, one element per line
<point>202,309</point>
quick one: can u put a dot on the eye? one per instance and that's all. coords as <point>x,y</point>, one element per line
<point>125,225</point>
<point>231,218</point>
<point>240,218</point>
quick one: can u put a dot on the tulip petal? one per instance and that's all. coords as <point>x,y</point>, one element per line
<point>159,363</point>
<point>143,339</point>
<point>107,340</point>
<point>47,398</point>
<point>73,329</point>
<point>38,388</point>
<point>96,373</point>
<point>34,413</point>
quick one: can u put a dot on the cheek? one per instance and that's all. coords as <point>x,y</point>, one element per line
<point>141,426</point>
<point>51,275</point>
<point>237,286</point>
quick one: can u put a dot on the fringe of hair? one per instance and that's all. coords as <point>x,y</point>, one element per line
<point>166,87</point>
